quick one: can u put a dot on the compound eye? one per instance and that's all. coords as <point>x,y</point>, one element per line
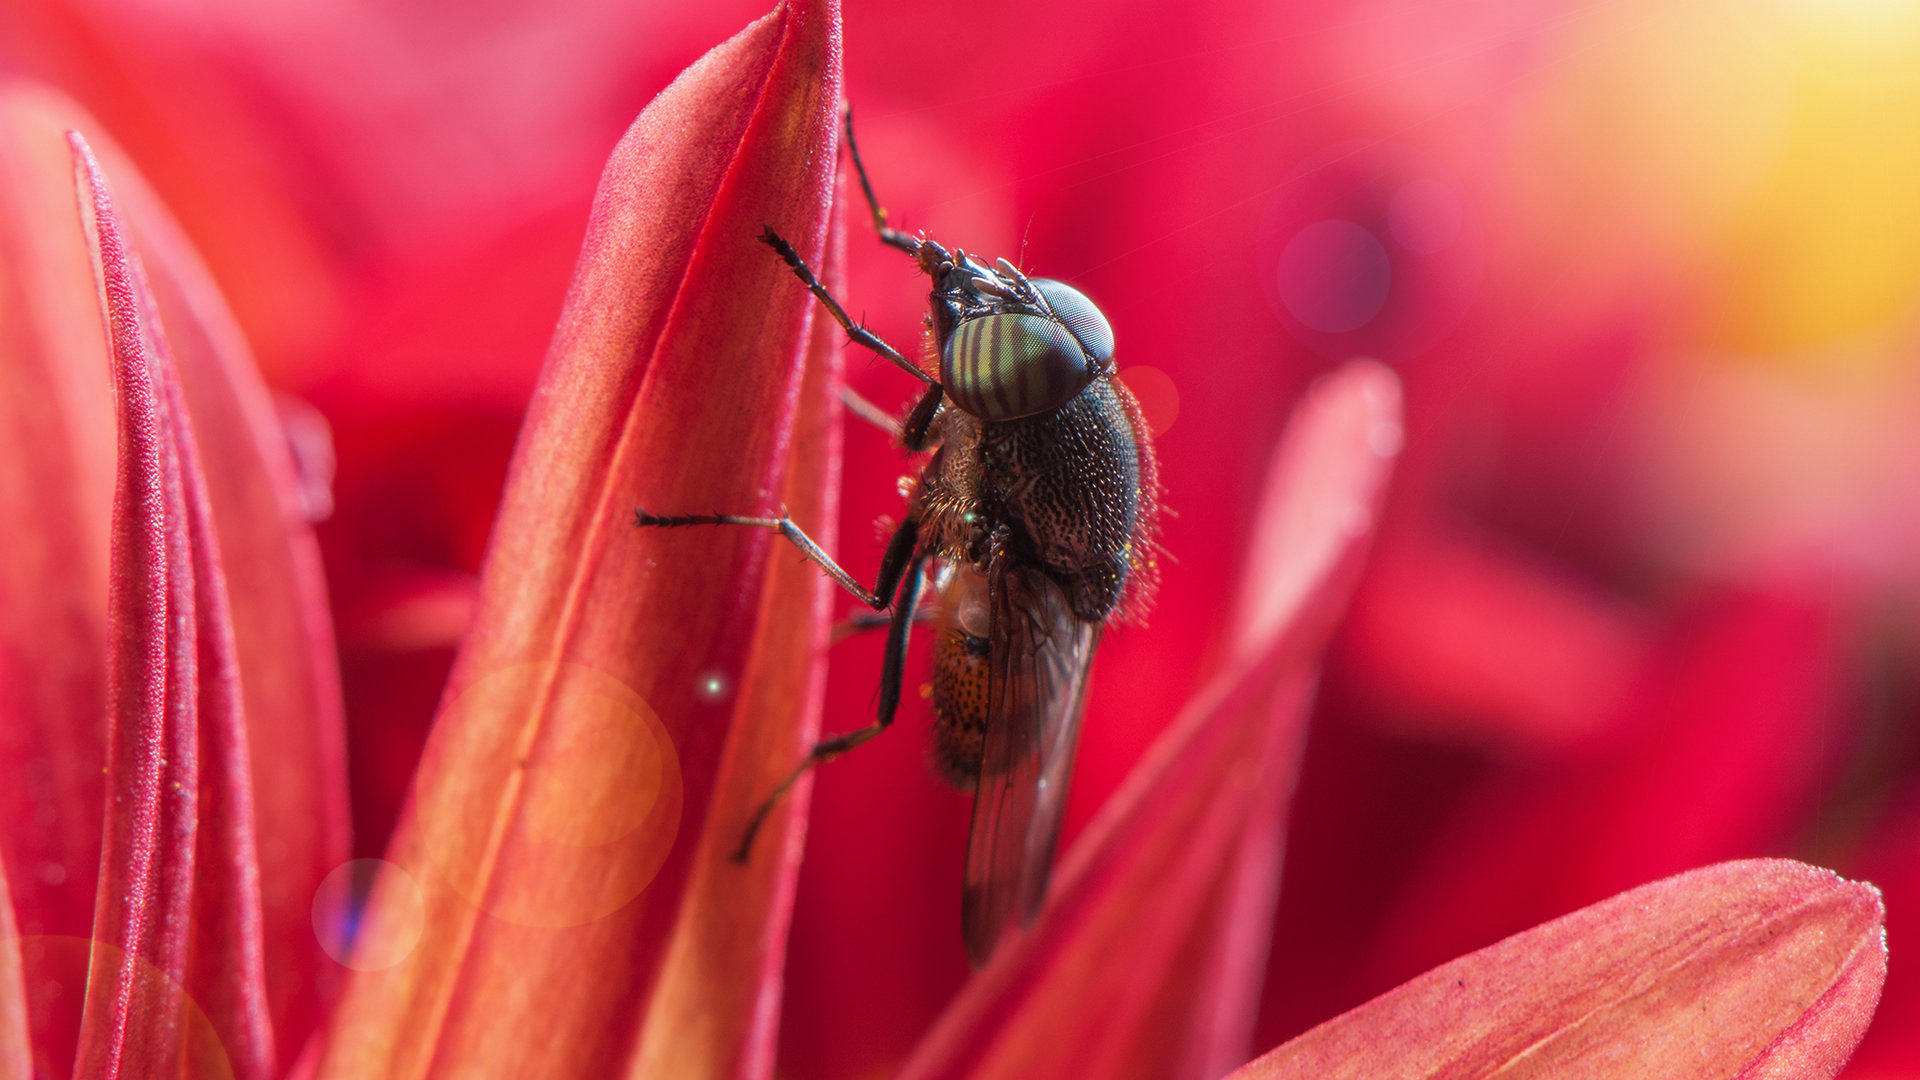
<point>1081,316</point>
<point>1006,366</point>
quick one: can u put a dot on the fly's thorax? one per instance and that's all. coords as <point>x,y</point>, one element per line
<point>1068,484</point>
<point>947,500</point>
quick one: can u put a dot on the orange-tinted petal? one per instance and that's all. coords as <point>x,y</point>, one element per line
<point>57,473</point>
<point>16,1042</point>
<point>717,1005</point>
<point>558,810</point>
<point>175,977</point>
<point>1148,958</point>
<point>1765,968</point>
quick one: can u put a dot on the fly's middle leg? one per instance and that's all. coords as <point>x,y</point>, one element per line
<point>862,622</point>
<point>899,549</point>
<point>914,434</point>
<point>865,409</point>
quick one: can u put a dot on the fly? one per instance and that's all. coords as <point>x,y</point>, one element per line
<point>1034,518</point>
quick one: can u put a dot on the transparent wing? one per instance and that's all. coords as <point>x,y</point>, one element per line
<point>1036,687</point>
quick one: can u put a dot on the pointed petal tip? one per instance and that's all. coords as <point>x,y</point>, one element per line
<point>631,409</point>
<point>57,470</point>
<point>1757,968</point>
<point>180,974</point>
<point>1323,491</point>
<point>143,904</point>
<point>275,762</point>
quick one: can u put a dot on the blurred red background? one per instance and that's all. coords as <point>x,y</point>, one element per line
<point>1644,597</point>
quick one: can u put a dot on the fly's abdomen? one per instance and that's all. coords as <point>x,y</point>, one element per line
<point>1009,365</point>
<point>959,704</point>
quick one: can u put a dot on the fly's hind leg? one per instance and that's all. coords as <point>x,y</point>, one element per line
<point>892,672</point>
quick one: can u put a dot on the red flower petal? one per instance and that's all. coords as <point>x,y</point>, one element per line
<point>175,979</point>
<point>1717,754</point>
<point>290,684</point>
<point>1452,635</point>
<point>1892,860</point>
<point>1762,968</point>
<point>559,809</point>
<point>1147,959</point>
<point>56,471</point>
<point>283,639</point>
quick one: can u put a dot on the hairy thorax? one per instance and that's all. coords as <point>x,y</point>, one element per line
<point>1064,485</point>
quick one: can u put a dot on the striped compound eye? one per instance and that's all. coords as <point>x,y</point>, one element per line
<point>1006,366</point>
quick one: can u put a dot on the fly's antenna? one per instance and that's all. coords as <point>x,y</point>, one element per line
<point>1012,273</point>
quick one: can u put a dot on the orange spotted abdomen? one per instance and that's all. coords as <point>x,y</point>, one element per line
<point>959,703</point>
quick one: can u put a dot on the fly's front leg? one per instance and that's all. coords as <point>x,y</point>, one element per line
<point>914,433</point>
<point>892,672</point>
<point>928,254</point>
<point>889,236</point>
<point>860,335</point>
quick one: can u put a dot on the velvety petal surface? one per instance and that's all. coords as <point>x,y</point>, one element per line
<point>1764,968</point>
<point>282,633</point>
<point>285,674</point>
<point>56,471</point>
<point>580,762</point>
<point>276,594</point>
<point>175,978</point>
<point>716,1008</point>
<point>1147,959</point>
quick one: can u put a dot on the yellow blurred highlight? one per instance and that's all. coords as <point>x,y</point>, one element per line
<point>1766,155</point>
